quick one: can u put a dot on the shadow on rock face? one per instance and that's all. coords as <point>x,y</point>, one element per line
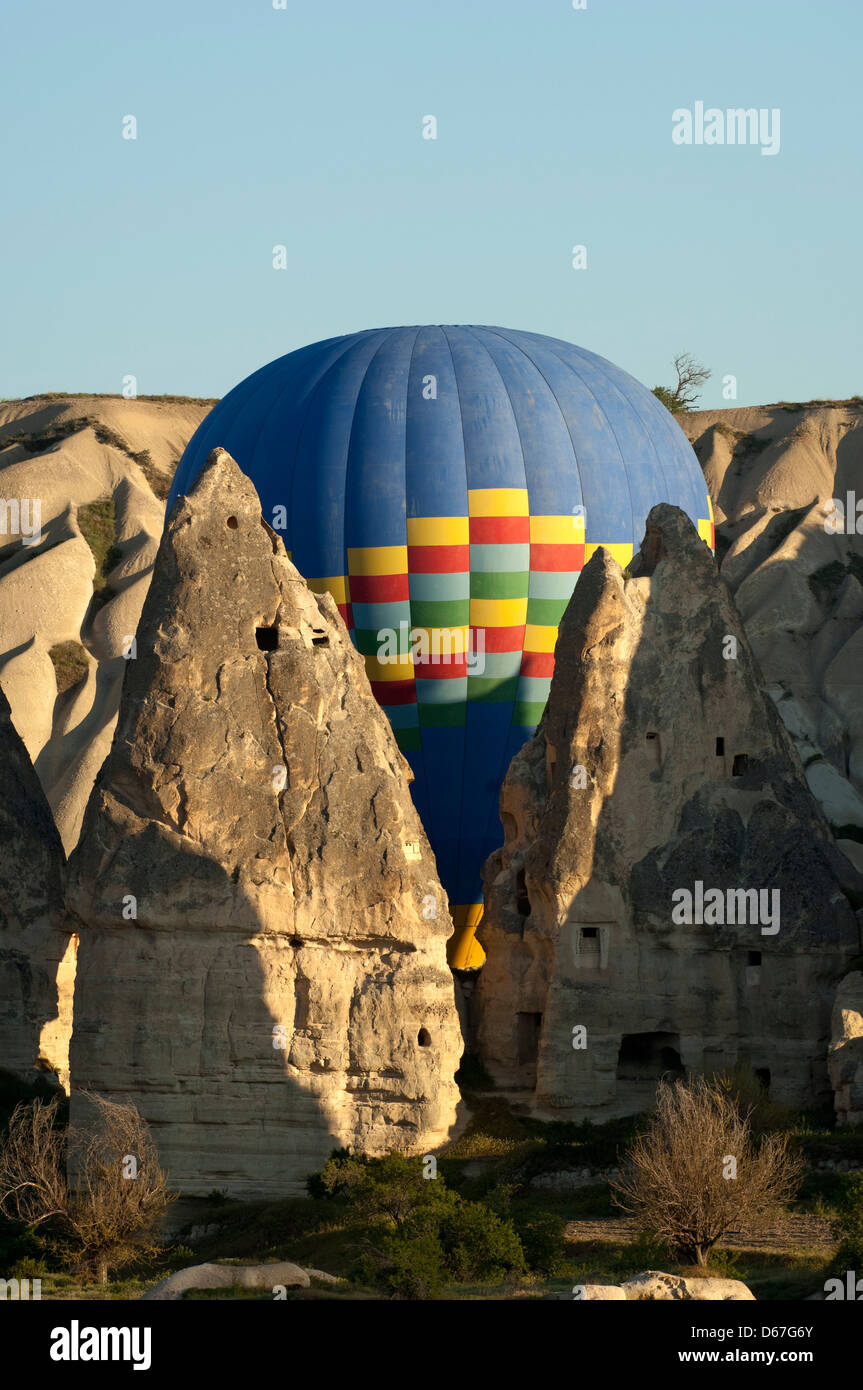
<point>262,966</point>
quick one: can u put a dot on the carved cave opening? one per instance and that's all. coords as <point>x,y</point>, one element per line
<point>645,1058</point>
<point>528,1034</point>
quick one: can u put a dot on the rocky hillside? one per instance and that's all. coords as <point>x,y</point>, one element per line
<point>772,472</point>
<point>101,466</point>
<point>87,474</point>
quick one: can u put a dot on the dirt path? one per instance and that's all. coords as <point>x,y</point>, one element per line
<point>795,1233</point>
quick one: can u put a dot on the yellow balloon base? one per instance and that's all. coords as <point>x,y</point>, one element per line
<point>463,950</point>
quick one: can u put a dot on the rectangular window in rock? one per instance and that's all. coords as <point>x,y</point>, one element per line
<point>529,1029</point>
<point>590,945</point>
<point>753,968</point>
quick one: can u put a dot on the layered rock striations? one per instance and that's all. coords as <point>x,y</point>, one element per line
<point>37,942</point>
<point>262,967</point>
<point>660,772</point>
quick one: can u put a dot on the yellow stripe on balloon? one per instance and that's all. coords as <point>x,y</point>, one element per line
<point>557,530</point>
<point>337,585</point>
<point>438,530</point>
<point>498,612</point>
<point>497,501</point>
<point>539,638</point>
<point>378,559</point>
<point>401,670</point>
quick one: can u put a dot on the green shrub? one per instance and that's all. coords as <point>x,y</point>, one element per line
<point>663,394</point>
<point>478,1245</point>
<point>420,1234</point>
<point>542,1236</point>
<point>413,1266</point>
<point>18,1245</point>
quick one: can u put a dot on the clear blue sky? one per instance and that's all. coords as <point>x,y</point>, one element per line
<point>302,127</point>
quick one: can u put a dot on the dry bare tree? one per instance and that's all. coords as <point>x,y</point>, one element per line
<point>98,1190</point>
<point>698,1174</point>
<point>691,376</point>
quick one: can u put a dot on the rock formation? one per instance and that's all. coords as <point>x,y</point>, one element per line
<point>37,944</point>
<point>632,923</point>
<point>654,1284</point>
<point>84,468</point>
<point>770,471</point>
<point>262,967</point>
<point>797,578</point>
<point>215,1276</point>
<point>845,1061</point>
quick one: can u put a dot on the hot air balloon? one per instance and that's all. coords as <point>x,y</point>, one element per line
<point>447,485</point>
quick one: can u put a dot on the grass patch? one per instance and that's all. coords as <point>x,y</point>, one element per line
<point>63,1287</point>
<point>493,1131</point>
<point>97,521</point>
<point>71,663</point>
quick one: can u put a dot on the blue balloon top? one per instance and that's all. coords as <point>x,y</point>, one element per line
<point>453,477</point>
